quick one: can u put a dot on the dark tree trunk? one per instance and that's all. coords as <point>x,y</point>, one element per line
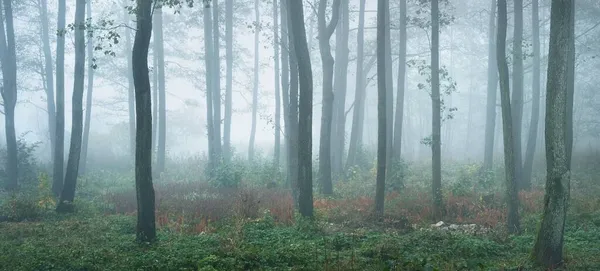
<point>88,99</point>
<point>277,149</point>
<point>9,95</point>
<point>548,248</point>
<point>492,93</point>
<point>305,196</point>
<point>325,32</point>
<point>338,138</point>
<point>130,86</point>
<point>59,144</point>
<point>49,75</point>
<point>228,80</point>
<point>436,124</point>
<point>255,84</point>
<point>289,81</point>
<point>208,51</point>
<point>359,93</point>
<point>517,92</point>
<point>162,99</point>
<point>399,117</point>
<point>389,87</point>
<point>146,227</point>
<point>535,98</point>
<point>512,196</point>
<point>67,195</point>
<point>382,5</point>
<point>217,83</point>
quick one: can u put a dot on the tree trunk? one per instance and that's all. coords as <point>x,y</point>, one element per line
<point>359,93</point>
<point>130,86</point>
<point>436,150</point>
<point>338,139</point>
<point>59,144</point>
<point>399,117</point>
<point>88,99</point>
<point>512,196</point>
<point>285,92</point>
<point>517,93</point>
<point>228,80</point>
<point>154,97</point>
<point>548,248</point>
<point>389,106</point>
<point>535,98</point>
<point>49,75</point>
<point>9,94</point>
<point>277,149</point>
<point>255,84</point>
<point>146,227</point>
<point>217,83</point>
<point>382,5</point>
<point>208,51</point>
<point>162,99</point>
<point>325,32</point>
<point>68,193</point>
<point>492,93</point>
<point>305,197</point>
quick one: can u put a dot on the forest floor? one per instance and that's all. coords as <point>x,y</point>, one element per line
<point>205,228</point>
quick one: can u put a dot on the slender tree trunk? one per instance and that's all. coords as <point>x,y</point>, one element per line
<point>436,150</point>
<point>389,106</point>
<point>512,196</point>
<point>49,74</point>
<point>399,117</point>
<point>155,97</point>
<point>162,99</point>
<point>217,83</point>
<point>325,32</point>
<point>305,197</point>
<point>9,94</point>
<point>535,98</point>
<point>228,79</point>
<point>255,84</point>
<point>382,5</point>
<point>548,248</point>
<point>277,149</point>
<point>517,93</point>
<point>59,144</point>
<point>570,87</point>
<point>68,193</point>
<point>338,139</point>
<point>146,227</point>
<point>492,93</point>
<point>130,86</point>
<point>208,51</point>
<point>285,91</point>
<point>359,93</point>
<point>88,99</point>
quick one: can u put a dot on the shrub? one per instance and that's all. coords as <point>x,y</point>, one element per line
<point>27,164</point>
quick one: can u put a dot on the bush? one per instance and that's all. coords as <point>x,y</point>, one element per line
<point>27,164</point>
<point>28,204</point>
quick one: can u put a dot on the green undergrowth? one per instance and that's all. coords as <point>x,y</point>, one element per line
<point>106,242</point>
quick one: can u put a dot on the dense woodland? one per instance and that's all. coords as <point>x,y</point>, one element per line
<point>300,135</point>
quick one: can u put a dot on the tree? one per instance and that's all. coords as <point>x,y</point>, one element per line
<point>146,227</point>
<point>216,81</point>
<point>399,117</point>
<point>296,19</point>
<point>512,196</point>
<point>88,99</point>
<point>535,98</point>
<point>255,84</point>
<point>277,149</point>
<point>436,124</point>
<point>130,86</point>
<point>59,144</point>
<point>162,100</point>
<point>325,32</point>
<point>548,248</point>
<point>338,139</point>
<point>382,5</point>
<point>9,93</point>
<point>492,93</point>
<point>67,195</point>
<point>517,92</point>
<point>208,62</point>
<point>359,93</point>
<point>49,74</point>
<point>228,79</point>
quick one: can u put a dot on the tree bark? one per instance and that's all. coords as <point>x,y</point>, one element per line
<point>228,80</point>
<point>255,84</point>
<point>517,92</point>
<point>399,117</point>
<point>436,150</point>
<point>146,227</point>
<point>277,149</point>
<point>88,99</point>
<point>325,32</point>
<point>49,75</point>
<point>338,139</point>
<point>67,195</point>
<point>382,5</point>
<point>162,99</point>
<point>59,144</point>
<point>359,93</point>
<point>535,98</point>
<point>512,196</point>
<point>492,93</point>
<point>548,248</point>
<point>305,196</point>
